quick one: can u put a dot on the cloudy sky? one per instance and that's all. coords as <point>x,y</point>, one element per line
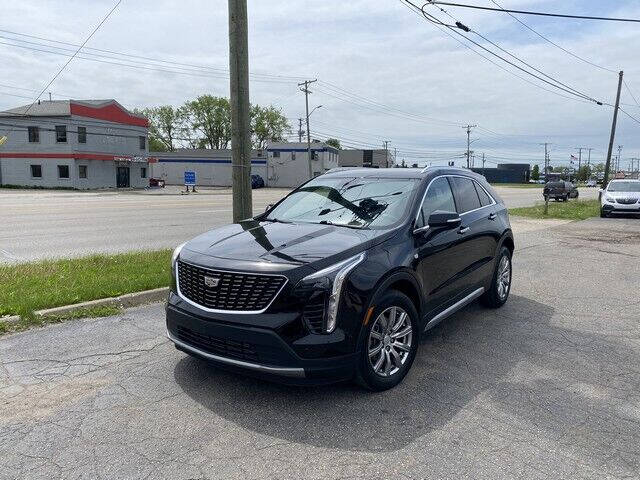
<point>384,72</point>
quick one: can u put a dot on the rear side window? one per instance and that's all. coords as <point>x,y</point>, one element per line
<point>465,194</point>
<point>484,198</point>
<point>438,197</point>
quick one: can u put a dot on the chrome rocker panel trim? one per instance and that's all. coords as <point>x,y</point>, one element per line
<point>454,308</point>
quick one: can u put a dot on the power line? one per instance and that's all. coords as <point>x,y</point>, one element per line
<point>414,8</point>
<point>460,26</point>
<point>74,55</point>
<point>544,14</point>
<point>551,41</point>
<point>630,92</point>
<point>86,50</point>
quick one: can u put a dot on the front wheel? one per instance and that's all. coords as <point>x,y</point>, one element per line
<point>498,292</point>
<point>389,343</point>
<point>603,214</point>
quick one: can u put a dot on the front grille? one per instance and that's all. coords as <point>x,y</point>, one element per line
<point>233,292</point>
<point>626,201</point>
<point>313,313</point>
<point>218,346</point>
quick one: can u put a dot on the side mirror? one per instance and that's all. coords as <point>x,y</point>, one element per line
<point>268,207</point>
<point>442,219</point>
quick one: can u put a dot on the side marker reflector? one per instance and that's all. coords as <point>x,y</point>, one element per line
<point>367,317</point>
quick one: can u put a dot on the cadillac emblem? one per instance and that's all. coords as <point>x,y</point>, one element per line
<point>211,282</point>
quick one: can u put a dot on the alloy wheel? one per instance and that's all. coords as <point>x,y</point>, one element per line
<point>503,279</point>
<point>390,341</point>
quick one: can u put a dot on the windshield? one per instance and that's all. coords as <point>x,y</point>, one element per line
<point>348,202</point>
<point>624,187</point>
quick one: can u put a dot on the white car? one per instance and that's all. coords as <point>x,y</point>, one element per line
<point>591,183</point>
<point>620,196</point>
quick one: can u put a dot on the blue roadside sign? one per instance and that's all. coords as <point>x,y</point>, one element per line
<point>190,178</point>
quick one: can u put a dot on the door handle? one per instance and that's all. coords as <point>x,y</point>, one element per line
<point>463,230</point>
<point>492,216</point>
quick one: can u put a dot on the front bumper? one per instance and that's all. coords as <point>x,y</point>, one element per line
<point>621,208</point>
<point>252,350</point>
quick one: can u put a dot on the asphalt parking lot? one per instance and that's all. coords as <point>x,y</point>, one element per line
<point>45,224</point>
<point>546,387</point>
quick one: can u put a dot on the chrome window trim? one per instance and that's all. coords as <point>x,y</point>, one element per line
<point>493,200</point>
<point>215,310</point>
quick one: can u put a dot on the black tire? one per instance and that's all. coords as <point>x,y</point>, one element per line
<point>546,197</point>
<point>492,298</point>
<point>565,198</point>
<point>366,376</point>
<point>603,214</point>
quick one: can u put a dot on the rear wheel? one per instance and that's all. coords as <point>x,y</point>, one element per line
<point>498,293</point>
<point>389,343</point>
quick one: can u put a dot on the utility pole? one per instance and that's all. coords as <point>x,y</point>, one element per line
<point>483,164</point>
<point>386,152</point>
<point>613,132</point>
<point>589,158</point>
<point>468,128</point>
<point>580,158</point>
<point>618,161</point>
<point>300,131</point>
<point>306,91</point>
<point>546,159</point>
<point>240,122</point>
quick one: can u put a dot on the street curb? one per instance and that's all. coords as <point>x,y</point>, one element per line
<point>123,301</point>
<point>10,319</point>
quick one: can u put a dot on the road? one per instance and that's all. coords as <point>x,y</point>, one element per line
<point>46,224</point>
<point>546,387</point>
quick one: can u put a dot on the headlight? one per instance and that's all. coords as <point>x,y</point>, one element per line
<point>176,254</point>
<point>333,277</point>
<point>610,199</point>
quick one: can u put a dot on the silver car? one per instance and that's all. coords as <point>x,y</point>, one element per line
<point>620,196</point>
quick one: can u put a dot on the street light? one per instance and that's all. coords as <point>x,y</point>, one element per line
<point>309,140</point>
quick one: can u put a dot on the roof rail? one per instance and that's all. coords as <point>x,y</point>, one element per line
<point>340,169</point>
<point>426,168</point>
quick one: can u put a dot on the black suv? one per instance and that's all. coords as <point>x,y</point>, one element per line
<point>341,277</point>
<point>560,191</point>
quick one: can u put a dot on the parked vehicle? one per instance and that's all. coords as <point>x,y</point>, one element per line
<point>592,183</point>
<point>340,278</point>
<point>156,182</point>
<point>560,190</point>
<point>620,196</point>
<point>257,181</point>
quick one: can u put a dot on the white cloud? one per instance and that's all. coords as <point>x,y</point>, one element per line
<point>376,49</point>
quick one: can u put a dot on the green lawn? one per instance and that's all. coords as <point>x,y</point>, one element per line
<point>27,287</point>
<point>571,210</point>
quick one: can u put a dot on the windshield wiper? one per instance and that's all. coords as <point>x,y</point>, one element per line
<point>329,222</point>
<point>277,220</point>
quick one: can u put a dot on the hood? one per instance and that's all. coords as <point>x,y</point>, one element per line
<point>279,243</point>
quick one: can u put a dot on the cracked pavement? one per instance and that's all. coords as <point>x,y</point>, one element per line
<point>546,387</point>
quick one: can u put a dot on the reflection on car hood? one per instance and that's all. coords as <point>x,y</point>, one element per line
<point>293,243</point>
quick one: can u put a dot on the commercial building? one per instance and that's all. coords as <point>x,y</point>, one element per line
<point>506,173</point>
<point>279,165</point>
<point>380,158</point>
<point>75,144</point>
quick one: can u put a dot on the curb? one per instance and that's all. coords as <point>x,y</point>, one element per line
<point>10,319</point>
<point>123,301</point>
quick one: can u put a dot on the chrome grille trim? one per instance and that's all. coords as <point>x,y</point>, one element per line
<point>215,310</point>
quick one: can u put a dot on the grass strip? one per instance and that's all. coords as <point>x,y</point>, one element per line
<point>571,210</point>
<point>31,321</point>
<point>27,287</point>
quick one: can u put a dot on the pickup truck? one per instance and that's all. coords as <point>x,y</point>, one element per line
<point>560,190</point>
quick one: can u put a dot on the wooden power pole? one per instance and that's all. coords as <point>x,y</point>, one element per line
<point>612,137</point>
<point>240,121</point>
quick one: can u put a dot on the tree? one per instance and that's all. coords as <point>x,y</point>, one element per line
<point>333,142</point>
<point>535,173</point>
<point>268,125</point>
<point>164,124</point>
<point>584,173</point>
<point>208,122</point>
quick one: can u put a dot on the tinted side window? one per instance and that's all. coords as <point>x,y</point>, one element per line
<point>438,197</point>
<point>484,198</point>
<point>465,193</point>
